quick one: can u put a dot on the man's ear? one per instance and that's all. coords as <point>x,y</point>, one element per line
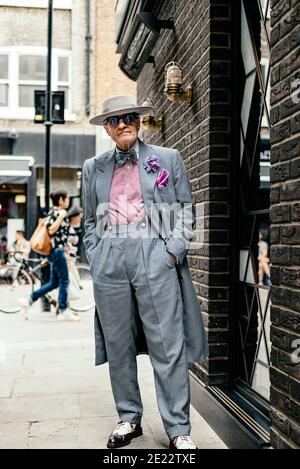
<point>106,128</point>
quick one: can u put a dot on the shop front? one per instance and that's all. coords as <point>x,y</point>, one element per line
<point>15,173</point>
<point>22,180</point>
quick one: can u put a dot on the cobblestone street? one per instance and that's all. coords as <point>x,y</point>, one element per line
<point>52,395</point>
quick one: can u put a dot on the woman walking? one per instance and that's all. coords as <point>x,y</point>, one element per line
<point>58,227</point>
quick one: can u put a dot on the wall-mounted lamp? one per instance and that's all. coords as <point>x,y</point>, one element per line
<point>173,84</point>
<point>143,36</point>
<point>149,122</point>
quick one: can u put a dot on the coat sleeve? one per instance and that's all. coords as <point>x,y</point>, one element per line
<point>90,239</point>
<point>182,234</point>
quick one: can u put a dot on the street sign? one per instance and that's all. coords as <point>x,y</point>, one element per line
<point>58,106</point>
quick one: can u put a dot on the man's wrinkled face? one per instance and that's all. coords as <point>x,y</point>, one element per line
<point>122,133</point>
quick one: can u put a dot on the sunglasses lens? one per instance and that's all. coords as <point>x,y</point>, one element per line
<point>129,118</point>
<point>126,118</point>
<point>113,121</point>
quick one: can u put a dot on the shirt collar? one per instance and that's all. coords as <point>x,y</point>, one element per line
<point>135,147</point>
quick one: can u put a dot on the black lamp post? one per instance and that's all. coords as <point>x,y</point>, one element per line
<point>49,109</point>
<point>48,113</point>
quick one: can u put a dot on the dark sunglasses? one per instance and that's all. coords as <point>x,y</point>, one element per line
<point>126,118</point>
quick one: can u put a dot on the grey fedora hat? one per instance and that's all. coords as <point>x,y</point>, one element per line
<point>118,105</point>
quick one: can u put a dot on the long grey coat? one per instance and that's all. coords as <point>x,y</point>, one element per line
<point>97,178</point>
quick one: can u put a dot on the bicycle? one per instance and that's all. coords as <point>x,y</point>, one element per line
<point>81,284</point>
<point>19,279</point>
<point>13,278</point>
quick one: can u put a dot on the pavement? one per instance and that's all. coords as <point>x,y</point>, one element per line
<point>52,395</point>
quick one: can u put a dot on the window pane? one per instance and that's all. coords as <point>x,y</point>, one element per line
<point>246,47</point>
<point>63,74</point>
<point>32,67</point>
<point>3,67</point>
<point>66,90</point>
<point>26,95</point>
<point>3,95</point>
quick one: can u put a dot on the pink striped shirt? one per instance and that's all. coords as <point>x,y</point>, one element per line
<point>126,199</point>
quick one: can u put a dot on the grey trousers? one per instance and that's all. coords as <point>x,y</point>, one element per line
<point>131,268</point>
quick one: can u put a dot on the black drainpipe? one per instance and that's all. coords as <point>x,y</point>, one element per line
<point>88,39</point>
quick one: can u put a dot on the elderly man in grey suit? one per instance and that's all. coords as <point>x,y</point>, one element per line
<point>136,246</point>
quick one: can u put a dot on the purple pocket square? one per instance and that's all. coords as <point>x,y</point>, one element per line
<point>162,178</point>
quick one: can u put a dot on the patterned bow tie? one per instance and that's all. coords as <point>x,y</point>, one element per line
<point>123,156</point>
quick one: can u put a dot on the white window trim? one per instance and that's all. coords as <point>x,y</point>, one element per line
<point>57,4</point>
<point>15,112</point>
<point>5,81</point>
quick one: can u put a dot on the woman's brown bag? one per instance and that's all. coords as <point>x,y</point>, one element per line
<point>40,241</point>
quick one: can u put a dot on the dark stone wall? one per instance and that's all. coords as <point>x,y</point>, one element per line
<point>201,44</point>
<point>285,227</point>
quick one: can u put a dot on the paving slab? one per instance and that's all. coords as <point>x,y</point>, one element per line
<point>54,434</point>
<point>39,408</point>
<point>14,435</point>
<point>6,385</point>
<point>54,385</point>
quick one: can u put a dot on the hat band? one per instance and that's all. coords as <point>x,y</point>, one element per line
<point>118,108</point>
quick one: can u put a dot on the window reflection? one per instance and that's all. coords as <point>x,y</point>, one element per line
<point>263,257</point>
<point>253,311</point>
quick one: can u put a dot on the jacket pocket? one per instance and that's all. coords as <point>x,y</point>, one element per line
<point>95,255</point>
<point>167,254</point>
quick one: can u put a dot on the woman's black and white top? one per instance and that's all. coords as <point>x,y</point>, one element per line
<point>60,237</point>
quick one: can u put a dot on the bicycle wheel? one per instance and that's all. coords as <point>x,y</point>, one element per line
<point>16,284</point>
<point>84,286</point>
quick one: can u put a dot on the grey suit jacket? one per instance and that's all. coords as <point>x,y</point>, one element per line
<point>175,230</point>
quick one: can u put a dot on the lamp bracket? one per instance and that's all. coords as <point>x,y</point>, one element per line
<point>150,60</point>
<point>167,24</point>
<point>153,23</point>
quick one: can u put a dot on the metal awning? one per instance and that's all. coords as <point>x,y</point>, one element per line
<point>15,169</point>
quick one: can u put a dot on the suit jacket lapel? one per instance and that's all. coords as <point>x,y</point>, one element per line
<point>104,166</point>
<point>147,180</point>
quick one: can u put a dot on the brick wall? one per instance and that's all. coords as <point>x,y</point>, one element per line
<point>200,42</point>
<point>79,71</point>
<point>109,79</point>
<point>28,27</point>
<point>285,227</point>
<point>69,32</point>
